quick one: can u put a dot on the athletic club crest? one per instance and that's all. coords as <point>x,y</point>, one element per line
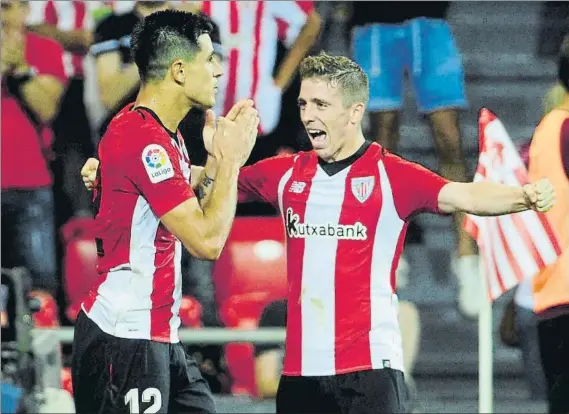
<point>362,188</point>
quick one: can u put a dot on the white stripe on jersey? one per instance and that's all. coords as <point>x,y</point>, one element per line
<point>324,205</point>
<point>385,336</point>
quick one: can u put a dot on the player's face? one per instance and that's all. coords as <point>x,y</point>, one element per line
<point>202,74</point>
<point>326,119</point>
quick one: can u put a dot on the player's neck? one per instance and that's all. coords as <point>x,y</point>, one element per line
<point>351,146</point>
<point>165,105</point>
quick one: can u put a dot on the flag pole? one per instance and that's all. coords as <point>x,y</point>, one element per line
<point>485,349</point>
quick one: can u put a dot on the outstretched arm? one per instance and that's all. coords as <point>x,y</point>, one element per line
<point>491,199</point>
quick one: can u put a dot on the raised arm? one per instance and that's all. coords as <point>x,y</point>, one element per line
<point>491,199</point>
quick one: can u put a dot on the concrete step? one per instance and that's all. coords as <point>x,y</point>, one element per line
<point>416,139</point>
<point>507,65</point>
<point>496,34</point>
<point>449,344</point>
<point>516,103</point>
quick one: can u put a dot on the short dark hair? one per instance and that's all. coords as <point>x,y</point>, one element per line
<point>563,68</point>
<point>339,71</point>
<point>163,37</point>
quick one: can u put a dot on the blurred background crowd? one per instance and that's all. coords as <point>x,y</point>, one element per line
<point>66,70</point>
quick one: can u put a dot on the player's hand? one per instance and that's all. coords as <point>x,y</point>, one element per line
<point>236,133</point>
<point>211,124</point>
<point>89,173</point>
<point>540,196</point>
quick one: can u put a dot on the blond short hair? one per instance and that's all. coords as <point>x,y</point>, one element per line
<point>339,71</point>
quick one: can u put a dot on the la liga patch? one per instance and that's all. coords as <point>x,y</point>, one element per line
<point>157,163</point>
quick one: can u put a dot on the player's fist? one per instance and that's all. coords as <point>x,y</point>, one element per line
<point>540,196</point>
<point>89,173</point>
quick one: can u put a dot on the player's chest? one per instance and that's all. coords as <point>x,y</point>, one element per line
<point>347,198</point>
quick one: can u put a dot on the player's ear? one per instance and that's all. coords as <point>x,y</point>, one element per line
<point>178,71</point>
<point>357,112</point>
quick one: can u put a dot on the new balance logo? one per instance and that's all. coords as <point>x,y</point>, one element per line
<point>297,187</point>
<point>296,229</point>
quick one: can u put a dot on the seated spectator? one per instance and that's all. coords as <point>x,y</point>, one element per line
<point>33,82</point>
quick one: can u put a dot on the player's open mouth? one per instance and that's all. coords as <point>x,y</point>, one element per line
<point>317,135</point>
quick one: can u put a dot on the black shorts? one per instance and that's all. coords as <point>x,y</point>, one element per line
<point>374,391</point>
<point>117,375</point>
<point>554,350</point>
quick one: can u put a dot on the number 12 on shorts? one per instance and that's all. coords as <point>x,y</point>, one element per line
<point>152,395</point>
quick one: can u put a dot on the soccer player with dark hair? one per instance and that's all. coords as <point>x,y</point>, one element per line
<point>346,205</point>
<point>127,355</point>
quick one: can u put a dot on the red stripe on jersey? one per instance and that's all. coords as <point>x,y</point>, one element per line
<point>304,172</point>
<point>51,13</point>
<point>353,280</point>
<point>233,59</point>
<point>162,289</point>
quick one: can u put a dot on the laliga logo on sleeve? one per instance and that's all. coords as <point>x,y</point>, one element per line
<point>157,163</point>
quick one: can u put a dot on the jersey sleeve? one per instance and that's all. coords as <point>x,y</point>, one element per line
<point>260,181</point>
<point>153,167</point>
<point>415,188</point>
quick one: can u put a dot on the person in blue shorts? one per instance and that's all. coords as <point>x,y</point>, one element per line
<point>391,40</point>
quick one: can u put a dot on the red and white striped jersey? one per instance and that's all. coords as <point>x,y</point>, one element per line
<point>66,16</point>
<point>249,32</point>
<point>345,234</point>
<point>144,173</point>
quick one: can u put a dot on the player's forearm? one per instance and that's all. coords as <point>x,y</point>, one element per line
<point>483,199</point>
<point>205,182</point>
<point>70,40</point>
<point>114,88</point>
<point>302,46</point>
<point>219,211</point>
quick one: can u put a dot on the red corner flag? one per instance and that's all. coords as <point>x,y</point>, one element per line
<point>515,246</point>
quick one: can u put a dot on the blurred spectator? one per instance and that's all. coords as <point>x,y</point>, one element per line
<point>117,74</point>
<point>70,24</point>
<point>250,31</point>
<point>33,82</point>
<point>549,157</point>
<point>525,319</point>
<point>269,357</point>
<point>394,39</point>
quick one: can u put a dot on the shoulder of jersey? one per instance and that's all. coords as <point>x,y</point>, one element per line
<point>127,120</point>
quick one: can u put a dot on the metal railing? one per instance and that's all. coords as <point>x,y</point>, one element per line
<point>213,336</point>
